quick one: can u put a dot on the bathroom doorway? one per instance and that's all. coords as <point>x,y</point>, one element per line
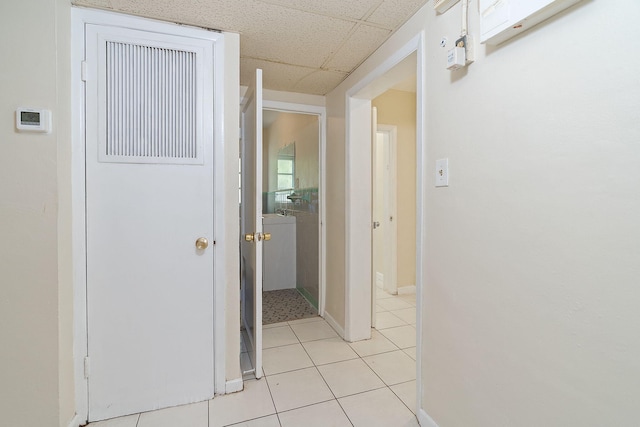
<point>291,214</point>
<point>293,280</point>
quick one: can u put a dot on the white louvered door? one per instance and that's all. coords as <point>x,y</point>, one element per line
<point>149,195</point>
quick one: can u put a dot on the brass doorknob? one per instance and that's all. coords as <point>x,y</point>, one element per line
<point>266,236</point>
<point>249,237</point>
<point>202,243</point>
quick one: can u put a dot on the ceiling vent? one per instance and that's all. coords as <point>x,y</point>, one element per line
<point>441,6</point>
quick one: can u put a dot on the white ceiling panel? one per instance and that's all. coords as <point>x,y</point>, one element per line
<point>103,4</point>
<point>307,46</point>
<point>319,82</point>
<point>275,76</point>
<point>291,36</point>
<point>352,9</point>
<point>218,15</point>
<point>394,13</point>
<point>365,39</point>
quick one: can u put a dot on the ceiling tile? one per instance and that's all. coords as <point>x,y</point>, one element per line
<point>319,82</point>
<point>267,31</point>
<point>362,43</point>
<point>105,4</point>
<point>219,15</point>
<point>393,13</point>
<point>291,36</point>
<point>353,9</point>
<point>275,76</point>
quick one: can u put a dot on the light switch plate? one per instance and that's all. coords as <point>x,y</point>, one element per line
<point>442,173</point>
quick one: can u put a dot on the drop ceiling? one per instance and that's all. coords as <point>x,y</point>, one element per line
<point>306,46</point>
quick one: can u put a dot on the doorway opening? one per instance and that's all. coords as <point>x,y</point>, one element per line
<point>291,214</point>
<point>406,64</point>
<point>292,150</point>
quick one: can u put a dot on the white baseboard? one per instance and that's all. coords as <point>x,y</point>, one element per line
<point>233,386</point>
<point>404,290</point>
<point>75,422</point>
<point>332,322</point>
<point>425,420</point>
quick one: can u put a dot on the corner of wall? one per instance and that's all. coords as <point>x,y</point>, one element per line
<point>66,386</point>
<point>231,202</point>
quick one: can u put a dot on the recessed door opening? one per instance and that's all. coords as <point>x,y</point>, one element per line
<point>291,215</point>
<point>383,290</point>
<point>394,229</point>
<point>291,280</point>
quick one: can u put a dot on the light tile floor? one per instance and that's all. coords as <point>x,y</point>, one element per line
<point>314,378</point>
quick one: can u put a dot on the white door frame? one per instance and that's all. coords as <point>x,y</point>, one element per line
<point>79,18</point>
<point>358,196</point>
<point>321,112</point>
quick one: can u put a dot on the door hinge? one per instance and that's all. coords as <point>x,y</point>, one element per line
<point>83,71</point>
<point>86,367</point>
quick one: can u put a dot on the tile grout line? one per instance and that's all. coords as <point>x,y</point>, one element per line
<point>315,365</point>
<point>327,384</point>
<point>275,408</point>
<point>401,349</point>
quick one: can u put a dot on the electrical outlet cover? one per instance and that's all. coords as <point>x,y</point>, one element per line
<point>442,173</point>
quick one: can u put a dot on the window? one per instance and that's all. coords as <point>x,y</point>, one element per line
<point>285,173</point>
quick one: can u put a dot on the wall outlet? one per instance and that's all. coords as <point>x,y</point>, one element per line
<point>442,173</point>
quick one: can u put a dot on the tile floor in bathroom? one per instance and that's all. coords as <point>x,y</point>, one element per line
<point>313,378</point>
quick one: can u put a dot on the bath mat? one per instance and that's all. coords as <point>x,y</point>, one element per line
<point>284,305</point>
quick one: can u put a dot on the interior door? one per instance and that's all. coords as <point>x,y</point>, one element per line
<point>251,219</point>
<point>149,211</point>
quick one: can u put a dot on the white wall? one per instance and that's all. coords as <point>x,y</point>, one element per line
<point>36,368</point>
<point>532,256</point>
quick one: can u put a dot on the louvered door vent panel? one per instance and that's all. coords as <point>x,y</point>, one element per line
<point>151,105</point>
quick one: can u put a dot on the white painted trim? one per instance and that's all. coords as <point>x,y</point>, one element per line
<point>321,112</point>
<point>356,302</point>
<point>335,325</point>
<point>407,290</point>
<point>425,420</point>
<point>234,386</point>
<point>78,225</point>
<point>75,421</point>
<point>79,18</point>
<point>219,229</point>
<point>422,178</point>
<point>358,217</point>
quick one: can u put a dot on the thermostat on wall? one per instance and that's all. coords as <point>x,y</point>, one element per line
<point>31,120</point>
